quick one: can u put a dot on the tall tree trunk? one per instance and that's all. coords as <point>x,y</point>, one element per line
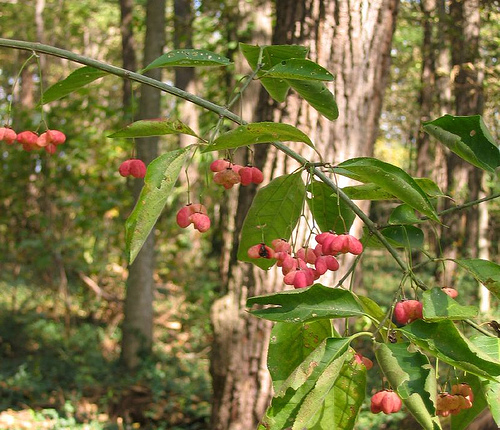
<point>464,180</point>
<point>128,51</point>
<point>138,322</point>
<point>353,40</point>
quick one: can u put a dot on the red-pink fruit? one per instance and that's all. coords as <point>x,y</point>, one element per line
<point>407,311</point>
<point>200,221</point>
<point>400,313</point>
<point>450,291</point>
<point>307,254</point>
<point>227,178</point>
<point>245,175</point>
<point>124,168</point>
<point>43,140</point>
<point>281,245</point>
<point>219,165</point>
<point>260,250</point>
<point>58,137</point>
<point>343,243</point>
<point>27,138</point>
<point>360,359</point>
<point>386,401</point>
<point>183,216</point>
<point>257,175</point>
<point>466,392</point>
<point>137,168</point>
<point>51,148</point>
<point>8,135</point>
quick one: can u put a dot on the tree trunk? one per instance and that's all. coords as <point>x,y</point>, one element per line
<point>128,51</point>
<point>138,322</point>
<point>353,40</point>
<point>464,180</point>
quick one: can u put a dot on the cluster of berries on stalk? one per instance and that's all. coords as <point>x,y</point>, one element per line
<point>30,141</point>
<point>307,264</point>
<point>461,397</point>
<point>133,167</point>
<point>228,174</point>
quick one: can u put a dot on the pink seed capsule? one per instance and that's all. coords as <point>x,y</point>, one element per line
<point>137,168</point>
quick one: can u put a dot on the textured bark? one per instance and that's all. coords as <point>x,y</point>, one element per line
<point>353,40</point>
<point>128,48</point>
<point>138,322</point>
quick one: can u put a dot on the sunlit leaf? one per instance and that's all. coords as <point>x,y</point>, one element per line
<point>439,306</point>
<point>189,58</point>
<point>318,96</point>
<point>298,68</point>
<point>486,272</point>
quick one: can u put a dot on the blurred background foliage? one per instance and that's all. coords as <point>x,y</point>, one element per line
<point>62,262</point>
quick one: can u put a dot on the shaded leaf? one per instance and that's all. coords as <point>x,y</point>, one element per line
<point>407,236</point>
<point>272,55</point>
<point>490,389</point>
<point>306,304</point>
<point>160,178</point>
<point>273,215</point>
<point>76,80</point>
<point>413,378</point>
<point>317,95</point>
<point>153,127</point>
<point>391,179</point>
<point>367,192</point>
<point>430,187</point>
<point>403,214</point>
<point>468,137</point>
<point>298,68</point>
<point>258,132</point>
<point>486,272</point>
<point>329,212</point>
<point>443,340</point>
<point>439,306</point>
<point>189,58</point>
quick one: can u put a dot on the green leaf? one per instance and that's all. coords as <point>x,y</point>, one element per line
<point>391,179</point>
<point>306,304</point>
<point>403,214</point>
<point>490,389</point>
<point>430,187</point>
<point>443,340</point>
<point>342,404</point>
<point>273,215</point>
<point>317,95</point>
<point>486,272</point>
<point>329,212</point>
<point>258,132</point>
<point>466,416</point>
<point>367,192</point>
<point>468,137</point>
<point>413,378</point>
<point>372,308</point>
<point>189,58</point>
<point>271,56</point>
<point>160,178</point>
<point>439,306</point>
<point>76,80</point>
<point>284,409</point>
<point>290,344</point>
<point>407,236</point>
<point>153,127</point>
<point>314,401</point>
<point>297,68</point>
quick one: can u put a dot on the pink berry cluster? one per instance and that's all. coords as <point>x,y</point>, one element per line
<point>228,174</point>
<point>461,397</point>
<point>307,264</point>
<point>407,311</point>
<point>31,141</point>
<point>386,401</point>
<point>195,214</point>
<point>133,167</point>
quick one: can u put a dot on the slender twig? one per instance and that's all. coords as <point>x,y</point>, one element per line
<point>222,112</point>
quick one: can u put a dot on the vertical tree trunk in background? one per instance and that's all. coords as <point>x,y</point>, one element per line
<point>464,180</point>
<point>352,40</point>
<point>138,322</point>
<point>129,61</point>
